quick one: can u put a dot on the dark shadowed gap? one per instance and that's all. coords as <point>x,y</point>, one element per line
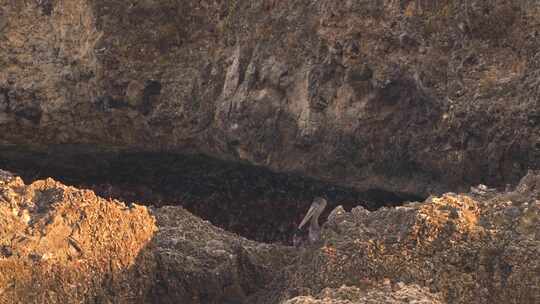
<point>251,201</point>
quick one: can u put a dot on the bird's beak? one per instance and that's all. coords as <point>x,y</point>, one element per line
<point>309,214</point>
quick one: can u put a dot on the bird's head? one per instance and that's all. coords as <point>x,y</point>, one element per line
<point>317,207</point>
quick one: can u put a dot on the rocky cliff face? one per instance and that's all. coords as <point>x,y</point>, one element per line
<point>409,96</point>
<point>59,244</point>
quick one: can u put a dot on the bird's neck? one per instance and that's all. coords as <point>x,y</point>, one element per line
<point>314,222</point>
<point>314,230</point>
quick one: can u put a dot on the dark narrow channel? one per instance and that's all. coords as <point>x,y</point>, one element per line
<point>251,201</point>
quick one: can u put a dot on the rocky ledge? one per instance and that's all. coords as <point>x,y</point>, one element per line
<point>59,244</point>
<point>410,96</point>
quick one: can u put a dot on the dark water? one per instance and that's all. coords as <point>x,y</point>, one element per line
<point>251,201</point>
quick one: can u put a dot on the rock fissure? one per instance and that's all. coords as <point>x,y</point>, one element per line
<point>251,201</point>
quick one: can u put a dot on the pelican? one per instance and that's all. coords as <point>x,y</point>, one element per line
<point>317,207</point>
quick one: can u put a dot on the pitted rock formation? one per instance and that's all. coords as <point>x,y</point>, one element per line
<point>468,250</point>
<point>410,96</point>
<point>63,245</point>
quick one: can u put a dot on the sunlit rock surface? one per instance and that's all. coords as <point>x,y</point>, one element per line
<point>469,249</point>
<point>62,245</point>
<point>59,244</point>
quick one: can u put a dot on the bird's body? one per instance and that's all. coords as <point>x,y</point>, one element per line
<point>317,207</point>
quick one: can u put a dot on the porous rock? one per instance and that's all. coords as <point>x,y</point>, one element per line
<point>60,245</point>
<point>417,97</point>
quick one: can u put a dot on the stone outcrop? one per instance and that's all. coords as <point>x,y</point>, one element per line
<point>62,245</point>
<point>59,244</point>
<point>409,96</point>
<point>468,248</point>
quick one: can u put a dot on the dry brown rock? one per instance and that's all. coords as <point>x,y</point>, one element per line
<point>63,245</point>
<point>197,262</point>
<point>59,244</point>
<point>401,293</point>
<point>417,96</point>
<point>468,250</point>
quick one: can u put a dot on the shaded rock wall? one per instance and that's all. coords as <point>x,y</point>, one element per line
<point>408,96</point>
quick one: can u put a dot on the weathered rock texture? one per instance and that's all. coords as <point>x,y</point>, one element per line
<point>410,96</point>
<point>400,293</point>
<point>63,245</point>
